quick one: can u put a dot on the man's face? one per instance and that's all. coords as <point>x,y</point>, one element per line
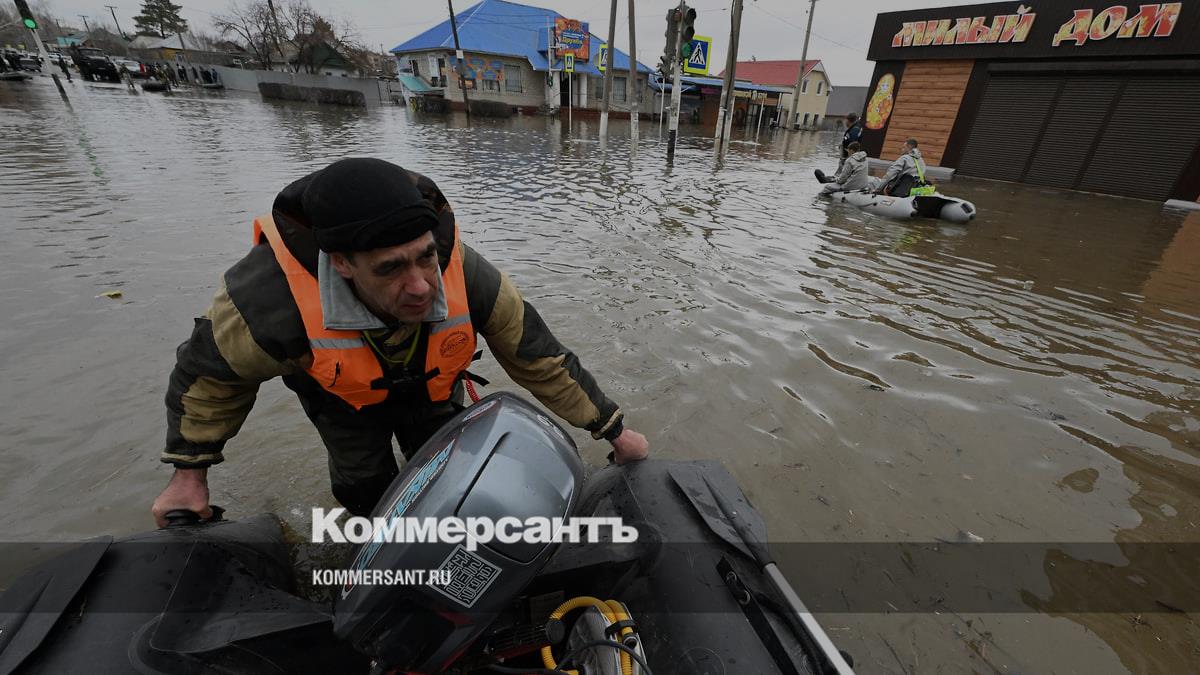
<point>398,282</point>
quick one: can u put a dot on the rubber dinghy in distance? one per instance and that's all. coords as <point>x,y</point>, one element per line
<point>936,205</point>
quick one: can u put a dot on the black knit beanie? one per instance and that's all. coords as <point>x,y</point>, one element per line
<point>362,204</point>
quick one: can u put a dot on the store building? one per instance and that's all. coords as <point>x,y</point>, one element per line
<point>517,55</point>
<point>814,89</point>
<point>1097,97</point>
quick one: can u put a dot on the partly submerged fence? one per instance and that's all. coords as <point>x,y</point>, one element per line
<point>317,88</point>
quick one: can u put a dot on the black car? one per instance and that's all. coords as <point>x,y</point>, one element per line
<point>94,65</point>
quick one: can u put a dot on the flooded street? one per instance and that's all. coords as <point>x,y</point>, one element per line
<point>1033,376</point>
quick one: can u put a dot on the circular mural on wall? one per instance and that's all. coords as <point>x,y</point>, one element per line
<point>879,108</point>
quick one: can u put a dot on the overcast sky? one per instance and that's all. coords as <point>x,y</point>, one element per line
<point>771,29</point>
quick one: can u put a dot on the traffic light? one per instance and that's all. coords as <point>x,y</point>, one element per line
<point>688,26</point>
<point>666,64</point>
<point>26,15</point>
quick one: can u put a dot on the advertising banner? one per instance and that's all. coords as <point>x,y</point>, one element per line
<point>573,38</point>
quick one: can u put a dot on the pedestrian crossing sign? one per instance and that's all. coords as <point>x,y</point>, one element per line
<point>603,54</point>
<point>697,63</point>
<point>569,63</point>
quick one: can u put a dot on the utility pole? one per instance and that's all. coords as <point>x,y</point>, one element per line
<point>86,27</point>
<point>608,71</point>
<point>803,59</point>
<point>676,85</point>
<point>728,94</point>
<point>114,13</point>
<point>275,34</point>
<point>461,62</point>
<point>633,92</point>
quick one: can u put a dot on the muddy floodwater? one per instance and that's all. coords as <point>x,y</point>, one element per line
<point>1031,377</point>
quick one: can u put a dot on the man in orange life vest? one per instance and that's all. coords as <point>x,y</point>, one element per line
<point>360,295</point>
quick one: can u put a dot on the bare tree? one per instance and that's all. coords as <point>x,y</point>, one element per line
<point>316,41</point>
<point>252,24</point>
<point>296,35</point>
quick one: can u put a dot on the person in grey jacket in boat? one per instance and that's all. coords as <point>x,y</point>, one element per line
<point>904,173</point>
<point>851,176</point>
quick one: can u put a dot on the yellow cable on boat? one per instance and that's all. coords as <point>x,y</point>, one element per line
<point>612,612</point>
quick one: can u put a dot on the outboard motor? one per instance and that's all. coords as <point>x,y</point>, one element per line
<point>501,457</point>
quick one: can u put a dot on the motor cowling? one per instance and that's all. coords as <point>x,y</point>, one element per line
<point>499,458</point>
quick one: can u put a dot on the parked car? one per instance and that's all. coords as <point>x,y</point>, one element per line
<point>31,62</point>
<point>135,68</point>
<point>94,65</point>
<point>16,60</point>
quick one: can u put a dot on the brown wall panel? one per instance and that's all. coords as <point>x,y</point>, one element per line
<point>927,103</point>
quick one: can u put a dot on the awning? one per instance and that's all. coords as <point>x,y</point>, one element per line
<point>416,85</point>
<point>691,83</point>
<point>666,86</point>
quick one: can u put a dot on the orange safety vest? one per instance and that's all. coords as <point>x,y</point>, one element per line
<point>344,364</point>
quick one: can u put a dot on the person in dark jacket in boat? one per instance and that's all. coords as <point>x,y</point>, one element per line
<point>905,173</point>
<point>359,293</point>
<point>853,134</point>
<point>851,176</point>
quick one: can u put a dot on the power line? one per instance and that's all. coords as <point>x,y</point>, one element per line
<point>859,50</point>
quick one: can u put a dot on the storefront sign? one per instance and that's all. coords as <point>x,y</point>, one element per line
<point>752,95</point>
<point>967,30</point>
<point>573,37</point>
<point>1150,20</point>
<point>1037,29</point>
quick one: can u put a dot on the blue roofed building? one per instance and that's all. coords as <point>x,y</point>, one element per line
<point>514,54</point>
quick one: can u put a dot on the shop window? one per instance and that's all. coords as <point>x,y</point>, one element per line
<point>619,93</point>
<point>491,85</point>
<point>416,70</point>
<point>512,79</point>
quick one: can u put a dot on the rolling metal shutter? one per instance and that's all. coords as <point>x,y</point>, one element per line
<point>1011,115</point>
<point>1070,132</point>
<point>1152,134</point>
<point>1128,134</point>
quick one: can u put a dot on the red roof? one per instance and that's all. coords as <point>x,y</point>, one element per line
<point>772,73</point>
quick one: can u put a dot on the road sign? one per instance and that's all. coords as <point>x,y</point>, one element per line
<point>603,57</point>
<point>697,62</point>
<point>569,63</point>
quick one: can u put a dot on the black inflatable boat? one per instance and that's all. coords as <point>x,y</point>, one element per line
<point>695,594</point>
